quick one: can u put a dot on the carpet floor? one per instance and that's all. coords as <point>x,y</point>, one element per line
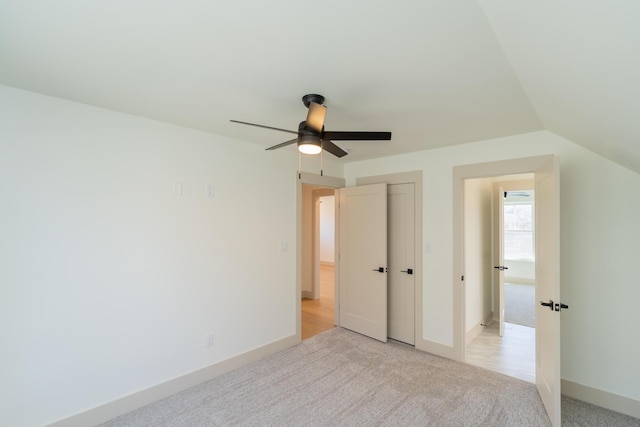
<point>340,378</point>
<point>343,378</point>
<point>520,304</point>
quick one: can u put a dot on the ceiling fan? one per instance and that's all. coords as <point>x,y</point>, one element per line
<point>311,136</point>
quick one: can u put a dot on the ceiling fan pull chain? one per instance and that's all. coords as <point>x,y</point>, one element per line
<point>299,165</point>
<point>321,159</point>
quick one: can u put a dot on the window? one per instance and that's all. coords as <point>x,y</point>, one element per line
<point>518,231</point>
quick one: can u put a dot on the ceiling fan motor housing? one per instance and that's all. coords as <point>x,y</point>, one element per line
<point>308,99</point>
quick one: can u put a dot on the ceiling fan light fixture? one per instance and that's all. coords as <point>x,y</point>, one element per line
<point>309,144</point>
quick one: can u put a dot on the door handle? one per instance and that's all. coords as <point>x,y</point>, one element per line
<point>501,267</point>
<point>408,271</point>
<point>379,269</point>
<point>548,304</point>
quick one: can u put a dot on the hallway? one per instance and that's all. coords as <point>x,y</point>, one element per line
<point>317,315</point>
<point>514,354</point>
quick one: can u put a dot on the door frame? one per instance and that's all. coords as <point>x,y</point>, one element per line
<point>415,178</point>
<point>542,167</point>
<point>499,168</point>
<point>305,178</point>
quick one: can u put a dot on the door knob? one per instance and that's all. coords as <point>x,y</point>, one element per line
<point>408,271</point>
<point>379,269</point>
<point>547,304</point>
<point>501,267</point>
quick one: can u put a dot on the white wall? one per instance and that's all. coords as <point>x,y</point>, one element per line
<point>477,237</point>
<point>599,251</point>
<point>327,229</point>
<point>110,282</point>
<point>520,271</point>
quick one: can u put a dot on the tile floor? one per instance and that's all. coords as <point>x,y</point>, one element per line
<point>514,354</point>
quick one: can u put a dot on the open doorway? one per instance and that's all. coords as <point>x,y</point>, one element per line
<point>318,260</point>
<point>500,267</point>
<point>518,243</point>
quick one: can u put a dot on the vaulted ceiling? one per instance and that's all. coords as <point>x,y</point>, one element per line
<point>434,72</point>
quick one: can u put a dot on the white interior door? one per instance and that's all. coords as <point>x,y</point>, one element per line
<point>401,239</point>
<point>363,259</point>
<point>547,238</point>
<point>498,253</point>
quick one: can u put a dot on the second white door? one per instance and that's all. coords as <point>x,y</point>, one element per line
<point>401,253</point>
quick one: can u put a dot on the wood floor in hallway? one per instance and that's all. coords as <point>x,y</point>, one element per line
<point>514,354</point>
<point>317,315</point>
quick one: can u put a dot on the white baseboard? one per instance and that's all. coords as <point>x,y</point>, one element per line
<point>473,333</point>
<point>307,294</point>
<point>102,413</point>
<point>604,399</point>
<point>519,280</point>
<point>435,348</point>
<point>327,263</point>
<point>479,327</point>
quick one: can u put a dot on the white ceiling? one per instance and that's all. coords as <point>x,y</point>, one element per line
<point>434,72</point>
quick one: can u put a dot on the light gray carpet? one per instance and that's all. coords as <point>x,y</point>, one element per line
<point>580,414</point>
<point>519,304</point>
<point>343,378</point>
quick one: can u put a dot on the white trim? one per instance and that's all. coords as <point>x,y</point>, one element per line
<point>474,332</point>
<point>519,280</point>
<point>436,348</point>
<point>479,327</point>
<point>107,411</point>
<point>604,399</point>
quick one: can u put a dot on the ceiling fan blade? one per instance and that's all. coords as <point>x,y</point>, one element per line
<point>284,144</point>
<point>333,148</point>
<point>315,116</point>
<point>263,126</point>
<point>357,136</point>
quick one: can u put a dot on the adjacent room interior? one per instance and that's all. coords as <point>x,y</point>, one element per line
<point>501,296</point>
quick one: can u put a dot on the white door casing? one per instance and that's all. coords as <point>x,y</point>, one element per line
<point>401,245</point>
<point>363,251</point>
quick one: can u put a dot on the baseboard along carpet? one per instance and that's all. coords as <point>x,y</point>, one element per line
<point>343,378</point>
